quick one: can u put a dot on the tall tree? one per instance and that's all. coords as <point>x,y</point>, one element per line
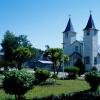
<point>21,55</point>
<point>56,56</point>
<point>80,65</point>
<point>12,44</point>
<point>22,41</point>
<point>8,45</point>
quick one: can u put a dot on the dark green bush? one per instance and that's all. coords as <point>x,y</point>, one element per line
<point>55,76</point>
<point>93,78</point>
<point>18,83</point>
<point>80,65</point>
<point>72,69</point>
<point>42,75</point>
<point>94,68</point>
<point>72,72</point>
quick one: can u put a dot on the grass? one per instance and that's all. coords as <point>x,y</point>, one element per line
<point>62,86</point>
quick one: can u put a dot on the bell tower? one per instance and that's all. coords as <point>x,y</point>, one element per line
<point>90,44</point>
<point>69,36</point>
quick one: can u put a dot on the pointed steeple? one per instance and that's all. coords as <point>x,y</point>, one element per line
<point>90,23</point>
<point>69,27</point>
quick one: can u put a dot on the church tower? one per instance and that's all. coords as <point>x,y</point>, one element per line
<point>90,44</point>
<point>69,36</point>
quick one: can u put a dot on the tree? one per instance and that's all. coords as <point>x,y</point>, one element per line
<point>22,41</point>
<point>4,63</point>
<point>18,83</point>
<point>11,43</point>
<point>80,65</point>
<point>21,55</point>
<point>56,56</point>
<point>93,78</point>
<point>8,45</point>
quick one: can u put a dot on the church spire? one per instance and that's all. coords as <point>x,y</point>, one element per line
<point>69,27</point>
<point>90,23</point>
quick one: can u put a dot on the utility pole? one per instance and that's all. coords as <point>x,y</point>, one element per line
<point>63,60</point>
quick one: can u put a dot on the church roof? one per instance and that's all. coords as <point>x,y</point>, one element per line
<point>76,41</point>
<point>90,23</point>
<point>69,27</point>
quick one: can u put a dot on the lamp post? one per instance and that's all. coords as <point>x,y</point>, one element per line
<point>63,60</point>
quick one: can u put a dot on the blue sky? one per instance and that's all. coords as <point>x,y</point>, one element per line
<point>43,21</point>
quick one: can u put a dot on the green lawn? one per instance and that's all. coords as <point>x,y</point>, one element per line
<point>62,86</point>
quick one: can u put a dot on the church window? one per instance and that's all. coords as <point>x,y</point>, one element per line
<point>87,60</point>
<point>67,35</point>
<point>76,48</point>
<point>95,60</point>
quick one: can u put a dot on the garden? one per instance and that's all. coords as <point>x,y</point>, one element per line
<point>19,84</point>
<point>22,85</point>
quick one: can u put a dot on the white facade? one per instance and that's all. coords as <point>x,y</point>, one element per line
<point>90,48</point>
<point>87,50</point>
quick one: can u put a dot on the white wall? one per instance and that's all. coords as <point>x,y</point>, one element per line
<point>90,46</point>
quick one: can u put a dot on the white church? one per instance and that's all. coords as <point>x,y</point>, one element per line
<point>86,50</point>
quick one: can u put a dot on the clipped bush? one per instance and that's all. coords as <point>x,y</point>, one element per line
<point>72,69</point>
<point>18,83</point>
<point>72,72</point>
<point>42,75</point>
<point>93,78</point>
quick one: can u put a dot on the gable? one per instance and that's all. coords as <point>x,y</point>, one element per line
<point>77,42</point>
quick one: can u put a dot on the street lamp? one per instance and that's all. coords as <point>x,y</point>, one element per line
<point>63,60</point>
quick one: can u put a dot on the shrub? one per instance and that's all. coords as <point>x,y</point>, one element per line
<point>94,68</point>
<point>72,72</point>
<point>80,65</point>
<point>55,76</point>
<point>35,68</point>
<point>18,83</point>
<point>93,78</point>
<point>72,69</point>
<point>42,75</point>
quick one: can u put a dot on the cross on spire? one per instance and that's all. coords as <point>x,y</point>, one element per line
<point>69,15</point>
<point>90,11</point>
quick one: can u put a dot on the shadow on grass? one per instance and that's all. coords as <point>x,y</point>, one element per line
<point>82,95</point>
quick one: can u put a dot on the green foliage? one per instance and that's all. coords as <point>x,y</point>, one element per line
<point>62,86</point>
<point>8,45</point>
<point>72,69</point>
<point>55,76</point>
<point>80,65</point>
<point>18,82</point>
<point>4,63</point>
<point>21,55</point>
<point>72,72</point>
<point>42,75</point>
<point>93,78</point>
<point>94,68</point>
<point>22,41</point>
<point>12,43</point>
<point>56,56</point>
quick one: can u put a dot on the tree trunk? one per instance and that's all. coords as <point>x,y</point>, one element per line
<point>19,66</point>
<point>58,68</point>
<point>54,68</point>
<point>18,97</point>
